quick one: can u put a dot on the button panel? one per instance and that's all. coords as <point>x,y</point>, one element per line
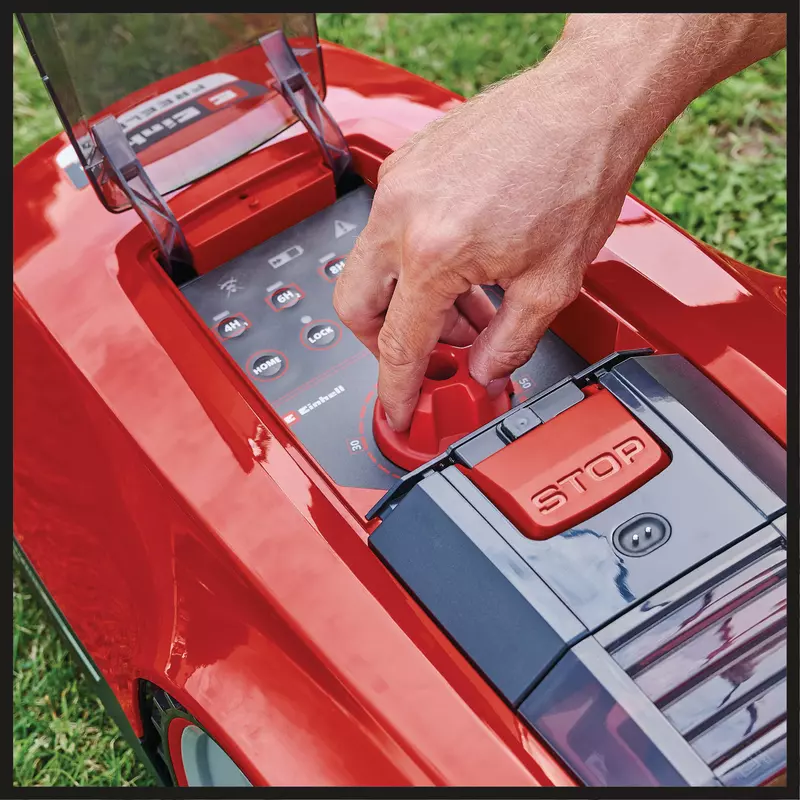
<point>272,310</point>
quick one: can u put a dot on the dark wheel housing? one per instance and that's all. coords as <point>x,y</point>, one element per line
<point>183,752</point>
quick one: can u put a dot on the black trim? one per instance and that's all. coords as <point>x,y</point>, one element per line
<point>99,684</point>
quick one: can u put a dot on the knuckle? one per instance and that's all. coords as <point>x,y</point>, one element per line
<point>508,358</point>
<point>389,191</point>
<point>549,291</point>
<point>386,167</point>
<point>391,162</point>
<point>355,259</point>
<point>425,245</point>
<point>558,296</point>
<point>342,305</point>
<point>393,350</point>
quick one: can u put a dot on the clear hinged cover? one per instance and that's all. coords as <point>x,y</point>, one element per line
<point>191,92</point>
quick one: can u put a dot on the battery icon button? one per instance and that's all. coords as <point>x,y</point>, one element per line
<point>286,256</point>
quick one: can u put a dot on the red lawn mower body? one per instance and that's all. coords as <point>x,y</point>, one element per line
<point>192,541</point>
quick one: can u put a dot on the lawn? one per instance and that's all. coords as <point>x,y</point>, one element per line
<point>720,172</point>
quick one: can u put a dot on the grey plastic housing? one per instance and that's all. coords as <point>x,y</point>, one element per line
<point>709,651</point>
<point>475,585</point>
<point>503,597</point>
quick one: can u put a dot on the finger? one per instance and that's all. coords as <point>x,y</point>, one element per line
<point>472,312</point>
<point>409,334</point>
<point>475,305</point>
<point>512,336</point>
<point>457,329</point>
<point>365,286</point>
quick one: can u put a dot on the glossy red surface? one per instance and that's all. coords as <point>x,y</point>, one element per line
<point>579,463</point>
<point>684,297</point>
<point>451,404</point>
<point>190,540</point>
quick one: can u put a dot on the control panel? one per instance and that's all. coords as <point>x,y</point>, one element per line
<point>272,310</point>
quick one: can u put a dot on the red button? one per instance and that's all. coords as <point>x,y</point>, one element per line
<point>571,467</point>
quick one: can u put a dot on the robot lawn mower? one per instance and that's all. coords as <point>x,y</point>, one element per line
<point>582,582</point>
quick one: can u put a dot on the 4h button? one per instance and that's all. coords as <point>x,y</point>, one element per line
<point>233,326</point>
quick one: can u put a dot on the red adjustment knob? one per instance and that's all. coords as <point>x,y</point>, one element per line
<point>451,405</point>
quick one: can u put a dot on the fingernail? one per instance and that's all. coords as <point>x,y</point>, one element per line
<point>390,424</point>
<point>495,387</point>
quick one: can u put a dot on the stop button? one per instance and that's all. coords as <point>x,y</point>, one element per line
<point>571,467</point>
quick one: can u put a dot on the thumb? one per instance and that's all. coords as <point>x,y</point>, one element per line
<point>509,340</point>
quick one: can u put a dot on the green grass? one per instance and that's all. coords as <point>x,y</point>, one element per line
<point>720,172</point>
<point>62,735</point>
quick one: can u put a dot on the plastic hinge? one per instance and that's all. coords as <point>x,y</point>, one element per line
<point>294,86</point>
<point>119,164</point>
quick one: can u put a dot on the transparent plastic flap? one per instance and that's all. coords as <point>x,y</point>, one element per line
<point>192,91</point>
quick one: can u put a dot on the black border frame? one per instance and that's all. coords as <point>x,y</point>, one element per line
<point>792,788</point>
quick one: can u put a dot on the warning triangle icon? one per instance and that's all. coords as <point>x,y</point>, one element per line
<point>341,228</point>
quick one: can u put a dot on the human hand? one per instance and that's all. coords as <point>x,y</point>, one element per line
<point>518,187</point>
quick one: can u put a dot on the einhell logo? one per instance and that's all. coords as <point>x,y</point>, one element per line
<point>582,478</point>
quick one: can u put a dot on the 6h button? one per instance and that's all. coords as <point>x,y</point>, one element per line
<point>285,297</point>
